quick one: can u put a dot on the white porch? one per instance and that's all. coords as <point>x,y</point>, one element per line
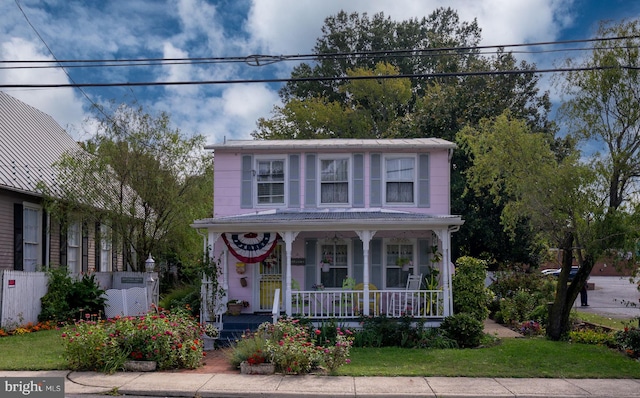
<point>430,303</point>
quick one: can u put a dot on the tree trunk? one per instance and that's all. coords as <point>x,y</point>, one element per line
<point>558,325</point>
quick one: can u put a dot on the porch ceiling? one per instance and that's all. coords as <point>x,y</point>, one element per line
<point>327,220</point>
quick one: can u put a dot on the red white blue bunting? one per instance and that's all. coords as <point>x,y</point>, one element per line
<point>251,247</point>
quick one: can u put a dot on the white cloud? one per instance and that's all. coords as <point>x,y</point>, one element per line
<point>63,104</point>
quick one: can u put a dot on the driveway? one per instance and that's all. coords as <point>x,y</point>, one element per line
<point>613,296</point>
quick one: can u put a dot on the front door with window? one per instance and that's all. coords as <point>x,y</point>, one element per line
<point>270,279</point>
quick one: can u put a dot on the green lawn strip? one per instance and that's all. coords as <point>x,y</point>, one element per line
<point>610,322</point>
<point>32,351</point>
<point>512,358</point>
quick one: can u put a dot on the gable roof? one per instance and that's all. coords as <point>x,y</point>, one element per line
<point>31,142</point>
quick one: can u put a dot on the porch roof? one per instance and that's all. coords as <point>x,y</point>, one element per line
<point>327,220</point>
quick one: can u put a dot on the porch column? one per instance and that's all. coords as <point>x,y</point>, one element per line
<point>445,238</point>
<point>365,237</point>
<point>209,243</point>
<point>288,237</point>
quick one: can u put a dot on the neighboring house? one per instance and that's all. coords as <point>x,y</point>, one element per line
<point>338,225</point>
<point>31,142</point>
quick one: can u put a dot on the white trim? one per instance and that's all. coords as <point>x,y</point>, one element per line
<point>77,248</point>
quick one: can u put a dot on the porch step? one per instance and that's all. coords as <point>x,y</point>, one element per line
<point>235,325</point>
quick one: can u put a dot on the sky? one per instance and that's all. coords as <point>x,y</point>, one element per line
<point>140,29</point>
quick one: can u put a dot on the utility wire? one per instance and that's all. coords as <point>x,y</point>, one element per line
<point>262,60</point>
<point>323,78</point>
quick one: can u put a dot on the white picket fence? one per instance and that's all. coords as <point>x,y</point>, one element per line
<point>20,293</point>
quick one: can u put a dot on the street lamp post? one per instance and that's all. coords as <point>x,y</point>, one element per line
<point>149,266</point>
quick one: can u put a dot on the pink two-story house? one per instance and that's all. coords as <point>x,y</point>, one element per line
<point>334,228</point>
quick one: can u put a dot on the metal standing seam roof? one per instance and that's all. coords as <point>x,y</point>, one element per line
<point>348,144</point>
<point>30,143</point>
<point>307,220</point>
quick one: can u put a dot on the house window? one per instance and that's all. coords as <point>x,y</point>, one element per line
<point>334,181</point>
<point>335,255</point>
<point>270,182</point>
<point>31,230</point>
<point>400,180</point>
<point>105,249</point>
<point>73,247</point>
<point>399,264</point>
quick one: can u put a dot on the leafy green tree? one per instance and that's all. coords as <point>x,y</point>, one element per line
<point>147,181</point>
<point>603,106</point>
<point>354,44</point>
<point>557,195</point>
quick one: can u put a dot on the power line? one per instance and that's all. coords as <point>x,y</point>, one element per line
<point>263,60</point>
<point>323,78</point>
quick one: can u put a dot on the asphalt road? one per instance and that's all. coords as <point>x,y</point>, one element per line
<point>613,296</point>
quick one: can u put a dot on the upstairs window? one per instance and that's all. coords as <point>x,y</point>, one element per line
<point>334,181</point>
<point>270,182</point>
<point>400,180</point>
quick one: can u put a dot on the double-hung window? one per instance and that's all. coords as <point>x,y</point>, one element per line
<point>31,243</point>
<point>270,180</point>
<point>400,175</point>
<point>334,181</point>
<point>105,249</point>
<point>335,269</point>
<point>399,264</point>
<point>73,247</point>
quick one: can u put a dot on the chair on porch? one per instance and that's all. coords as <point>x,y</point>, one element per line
<point>403,302</point>
<point>346,301</point>
<point>374,298</point>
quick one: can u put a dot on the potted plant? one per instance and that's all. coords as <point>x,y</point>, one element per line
<point>257,364</point>
<point>234,307</point>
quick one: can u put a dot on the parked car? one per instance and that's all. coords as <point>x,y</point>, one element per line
<point>549,271</point>
<point>572,273</point>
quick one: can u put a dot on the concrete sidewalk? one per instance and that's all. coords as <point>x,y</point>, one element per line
<point>162,384</point>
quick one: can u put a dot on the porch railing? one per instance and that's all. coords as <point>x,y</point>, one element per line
<point>325,304</point>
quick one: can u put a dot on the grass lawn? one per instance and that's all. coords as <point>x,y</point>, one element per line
<point>32,351</point>
<point>610,322</point>
<point>534,357</point>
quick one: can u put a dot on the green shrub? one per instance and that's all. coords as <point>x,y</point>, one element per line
<point>185,297</point>
<point>382,331</point>
<point>592,336</point>
<point>171,339</point>
<point>469,293</point>
<point>437,339</point>
<point>465,329</point>
<point>294,347</point>
<point>67,300</point>
<point>628,340</point>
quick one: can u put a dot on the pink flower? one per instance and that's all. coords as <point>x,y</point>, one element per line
<point>318,332</point>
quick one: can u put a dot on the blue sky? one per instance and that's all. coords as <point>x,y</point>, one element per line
<point>117,29</point>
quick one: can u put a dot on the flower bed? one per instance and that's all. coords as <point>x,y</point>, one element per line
<point>172,340</point>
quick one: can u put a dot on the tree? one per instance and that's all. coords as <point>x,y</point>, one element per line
<point>143,178</point>
<point>353,44</point>
<point>557,195</point>
<point>603,106</point>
